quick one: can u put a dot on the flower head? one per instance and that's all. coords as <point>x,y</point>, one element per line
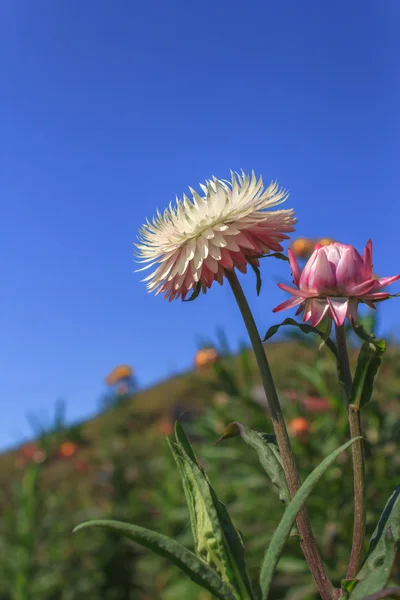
<point>302,247</point>
<point>206,357</point>
<point>325,241</point>
<point>119,373</point>
<point>193,243</point>
<point>68,449</point>
<point>300,427</point>
<point>334,281</point>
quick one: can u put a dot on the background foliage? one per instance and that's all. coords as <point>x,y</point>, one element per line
<point>118,466</point>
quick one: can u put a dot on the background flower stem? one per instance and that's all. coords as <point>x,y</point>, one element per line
<point>358,458</point>
<point>308,543</point>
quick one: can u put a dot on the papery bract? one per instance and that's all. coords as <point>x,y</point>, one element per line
<point>195,242</point>
<point>335,279</point>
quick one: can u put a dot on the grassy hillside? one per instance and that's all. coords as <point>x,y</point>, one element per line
<point>117,466</point>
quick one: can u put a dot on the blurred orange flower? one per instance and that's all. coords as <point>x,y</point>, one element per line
<point>118,373</point>
<point>300,427</point>
<point>302,247</point>
<point>325,241</point>
<point>68,449</point>
<point>205,357</point>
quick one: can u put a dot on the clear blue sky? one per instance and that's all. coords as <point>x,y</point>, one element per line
<point>109,109</point>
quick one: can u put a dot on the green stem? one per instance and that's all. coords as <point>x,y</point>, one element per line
<point>358,458</point>
<point>345,378</point>
<point>309,546</point>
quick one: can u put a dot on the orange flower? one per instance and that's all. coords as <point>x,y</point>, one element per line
<point>68,449</point>
<point>300,427</point>
<point>205,357</point>
<point>118,373</point>
<point>325,241</point>
<point>302,247</point>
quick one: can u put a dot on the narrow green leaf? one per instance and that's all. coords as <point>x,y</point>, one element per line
<point>363,334</point>
<point>376,579</point>
<point>305,328</point>
<point>277,255</point>
<point>217,541</point>
<point>368,363</point>
<point>370,375</point>
<point>367,353</point>
<point>181,438</point>
<point>256,270</point>
<point>283,530</point>
<point>268,454</point>
<point>189,488</point>
<point>177,554</point>
<point>390,518</point>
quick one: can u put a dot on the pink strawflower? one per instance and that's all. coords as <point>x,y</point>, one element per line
<point>195,242</point>
<point>334,280</point>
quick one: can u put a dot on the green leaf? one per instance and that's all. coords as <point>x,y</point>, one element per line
<point>305,328</point>
<point>363,334</point>
<point>377,578</point>
<point>277,255</point>
<point>368,363</point>
<point>283,530</point>
<point>268,454</point>
<point>389,593</point>
<point>217,541</point>
<point>256,270</point>
<point>177,554</point>
<point>183,440</point>
<point>390,518</point>
<point>348,586</point>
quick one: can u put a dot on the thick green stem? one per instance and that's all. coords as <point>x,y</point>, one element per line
<point>309,546</point>
<point>358,458</point>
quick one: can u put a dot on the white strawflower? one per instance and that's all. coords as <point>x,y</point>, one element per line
<point>194,242</point>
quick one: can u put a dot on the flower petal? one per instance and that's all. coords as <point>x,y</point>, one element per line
<point>375,296</point>
<point>295,292</point>
<point>319,275</point>
<point>319,308</point>
<point>367,258</point>
<point>350,270</point>
<point>338,310</point>
<point>288,304</point>
<point>352,310</point>
<point>294,265</point>
<point>363,288</point>
<point>384,281</point>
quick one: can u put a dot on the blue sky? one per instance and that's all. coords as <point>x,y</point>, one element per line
<point>110,109</point>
